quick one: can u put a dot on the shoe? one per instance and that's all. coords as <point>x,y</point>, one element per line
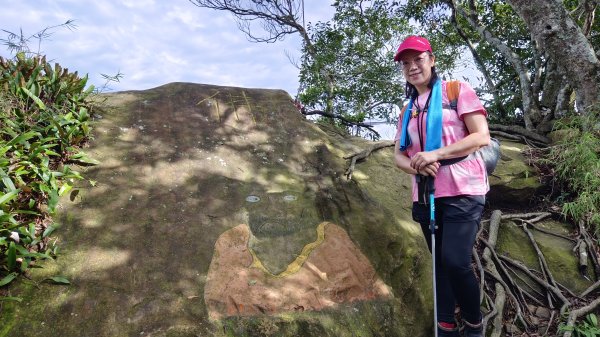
<point>447,332</point>
<point>473,330</point>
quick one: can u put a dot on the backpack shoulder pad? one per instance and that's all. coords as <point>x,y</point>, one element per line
<point>453,90</point>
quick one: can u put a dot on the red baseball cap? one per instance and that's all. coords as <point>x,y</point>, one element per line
<point>413,42</point>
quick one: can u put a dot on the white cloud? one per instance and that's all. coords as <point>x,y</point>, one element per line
<point>136,4</point>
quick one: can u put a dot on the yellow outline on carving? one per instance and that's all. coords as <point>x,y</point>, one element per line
<point>298,262</point>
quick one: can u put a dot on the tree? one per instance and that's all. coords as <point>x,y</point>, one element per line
<point>565,42</point>
<point>277,19</point>
<point>357,48</point>
<point>347,70</point>
<point>525,80</point>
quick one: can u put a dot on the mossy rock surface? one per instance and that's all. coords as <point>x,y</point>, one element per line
<point>514,183</point>
<point>558,252</point>
<point>179,165</point>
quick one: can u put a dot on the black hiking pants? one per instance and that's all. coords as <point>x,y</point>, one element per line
<point>457,220</point>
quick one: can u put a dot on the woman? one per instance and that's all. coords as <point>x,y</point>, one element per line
<point>435,142</point>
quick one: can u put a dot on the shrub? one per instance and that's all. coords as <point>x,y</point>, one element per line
<point>588,327</point>
<point>575,162</point>
<point>44,122</point>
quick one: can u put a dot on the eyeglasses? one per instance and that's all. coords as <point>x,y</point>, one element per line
<point>418,61</point>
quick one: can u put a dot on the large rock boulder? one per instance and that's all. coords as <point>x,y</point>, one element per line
<point>220,211</point>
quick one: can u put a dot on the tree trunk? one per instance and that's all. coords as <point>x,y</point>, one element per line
<point>563,40</point>
<point>531,111</point>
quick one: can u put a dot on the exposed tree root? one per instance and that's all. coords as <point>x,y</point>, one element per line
<point>364,154</point>
<point>591,247</point>
<point>519,138</point>
<point>515,130</point>
<point>490,267</point>
<point>512,290</point>
<point>590,289</point>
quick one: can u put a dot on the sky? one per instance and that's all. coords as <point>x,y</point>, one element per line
<point>155,42</point>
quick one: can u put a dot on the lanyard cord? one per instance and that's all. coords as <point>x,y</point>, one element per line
<point>420,118</point>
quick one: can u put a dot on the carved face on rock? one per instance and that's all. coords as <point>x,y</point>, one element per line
<point>281,224</point>
<point>280,213</point>
<point>286,259</point>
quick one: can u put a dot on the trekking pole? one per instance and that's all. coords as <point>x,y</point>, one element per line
<point>430,182</point>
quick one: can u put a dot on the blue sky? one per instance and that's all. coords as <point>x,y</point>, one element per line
<point>154,42</point>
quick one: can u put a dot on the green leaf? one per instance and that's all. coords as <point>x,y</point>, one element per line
<point>58,127</point>
<point>7,181</point>
<point>11,298</point>
<point>31,231</point>
<point>7,279</point>
<point>49,230</point>
<point>566,327</point>
<point>23,251</point>
<point>58,280</point>
<point>64,189</point>
<point>593,319</point>
<point>34,76</point>
<point>82,158</point>
<point>23,138</point>
<point>26,254</point>
<point>21,56</point>
<point>25,264</point>
<point>53,199</point>
<point>11,257</point>
<point>51,153</point>
<point>36,99</point>
<point>23,211</point>
<point>5,198</point>
<point>83,114</point>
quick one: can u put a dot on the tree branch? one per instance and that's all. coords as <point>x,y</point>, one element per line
<point>364,154</point>
<point>344,120</point>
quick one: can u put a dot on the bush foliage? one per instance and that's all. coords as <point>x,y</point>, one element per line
<point>44,122</point>
<point>576,163</point>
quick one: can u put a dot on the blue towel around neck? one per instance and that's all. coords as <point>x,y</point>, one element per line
<point>434,121</point>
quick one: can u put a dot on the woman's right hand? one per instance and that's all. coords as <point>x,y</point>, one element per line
<point>430,169</point>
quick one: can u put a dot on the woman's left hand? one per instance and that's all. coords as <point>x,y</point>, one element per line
<point>421,159</point>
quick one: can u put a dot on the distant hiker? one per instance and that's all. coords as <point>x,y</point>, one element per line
<point>435,144</point>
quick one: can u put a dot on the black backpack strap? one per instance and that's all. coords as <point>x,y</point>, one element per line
<point>445,162</point>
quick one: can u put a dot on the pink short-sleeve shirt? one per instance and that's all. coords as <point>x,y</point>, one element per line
<point>467,177</point>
